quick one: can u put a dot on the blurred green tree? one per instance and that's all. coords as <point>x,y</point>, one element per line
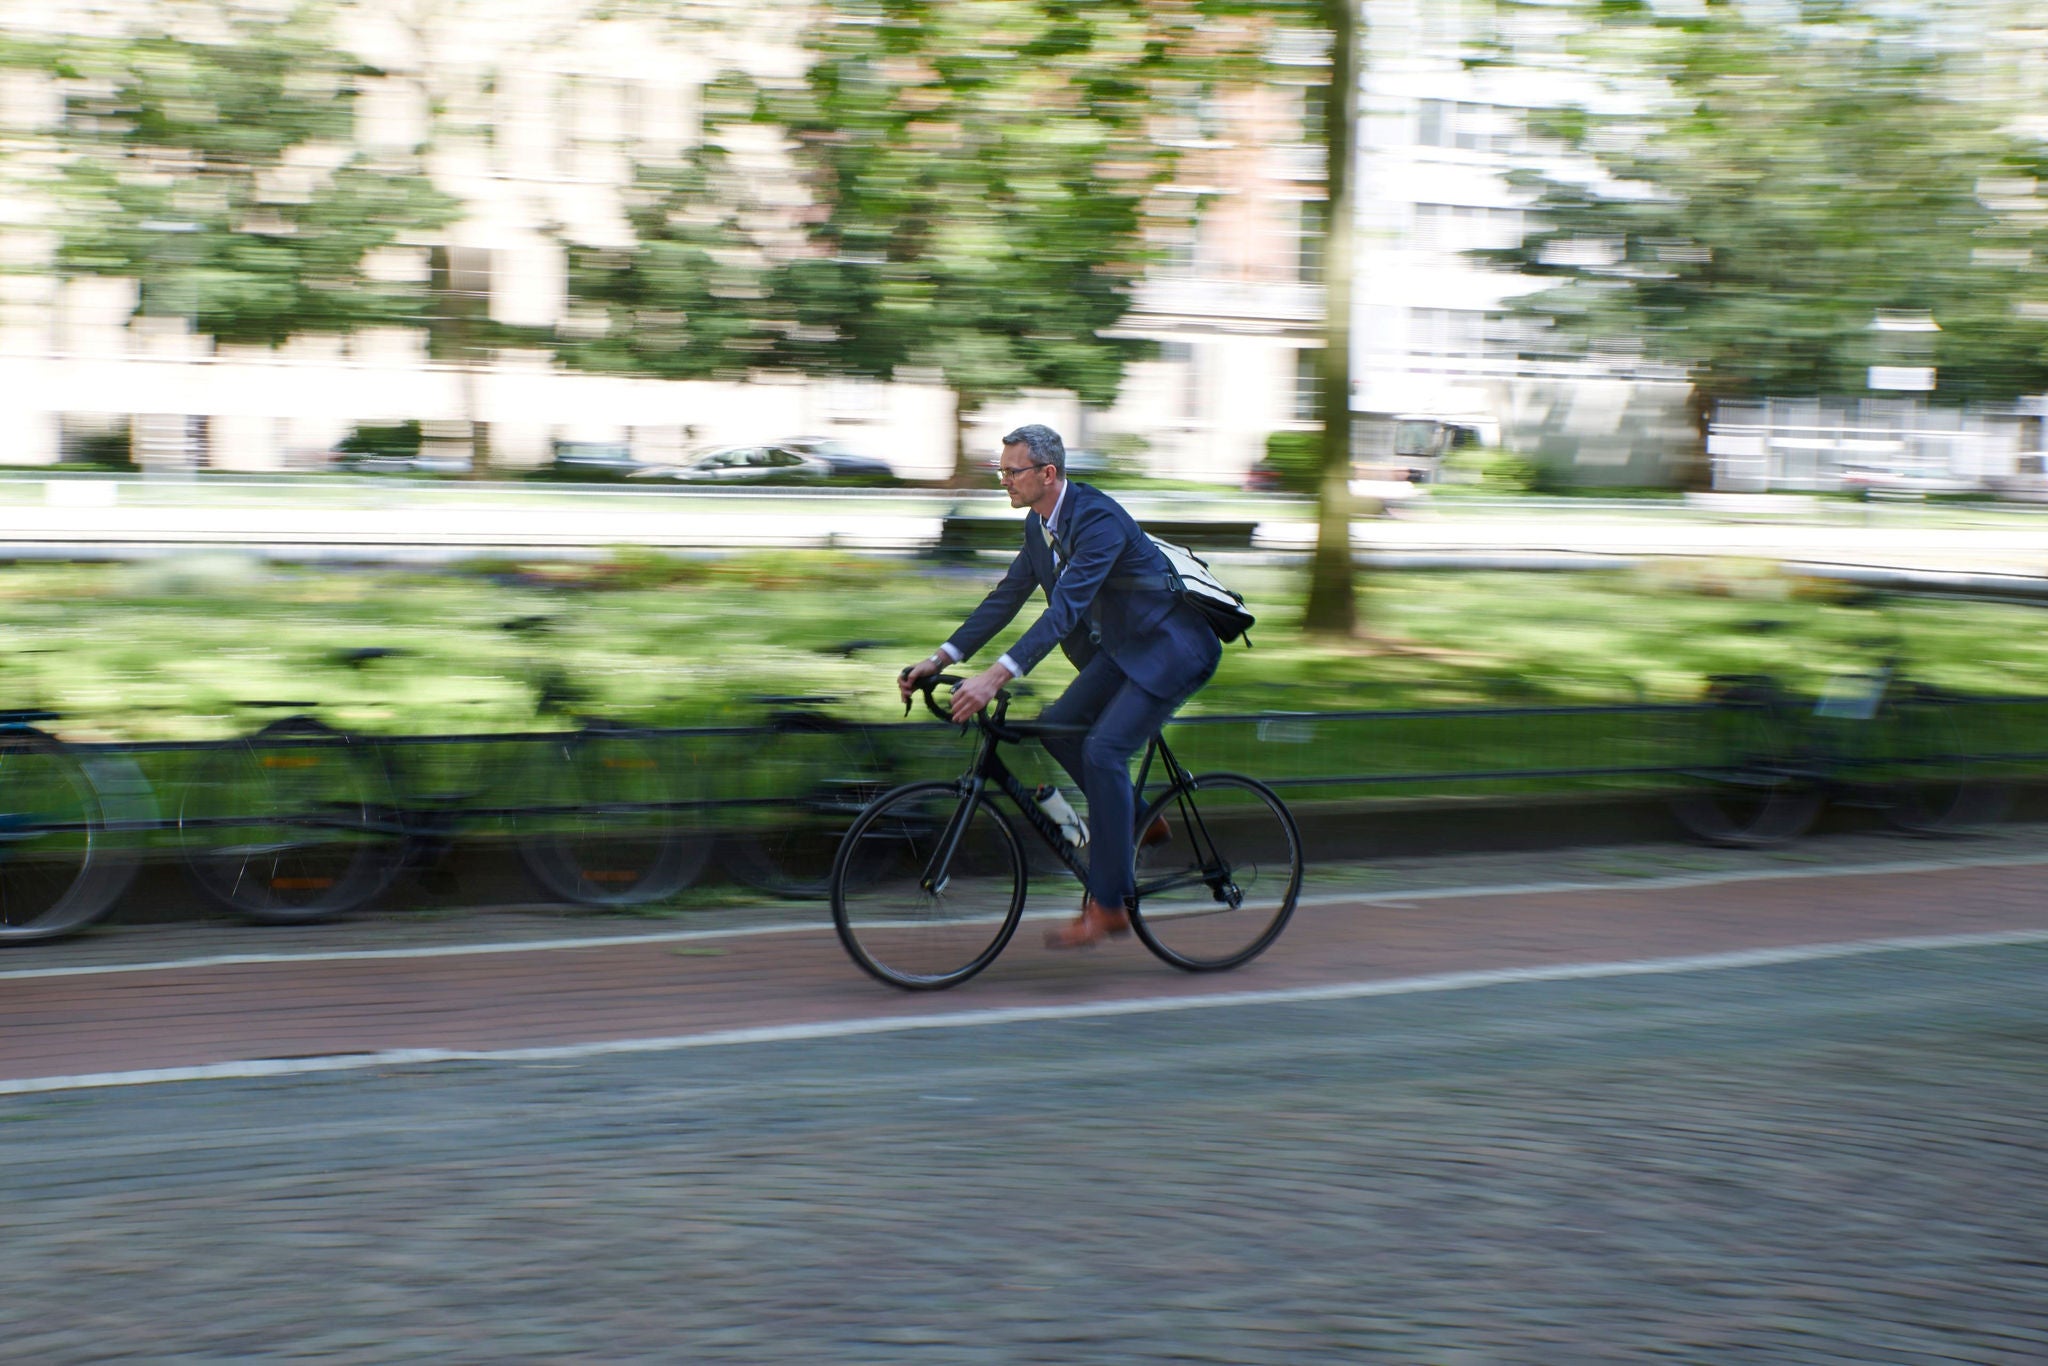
<point>207,153</point>
<point>691,298</point>
<point>1787,175</point>
<point>976,176</point>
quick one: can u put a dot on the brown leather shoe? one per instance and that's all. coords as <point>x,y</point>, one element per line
<point>1156,833</point>
<point>1096,923</point>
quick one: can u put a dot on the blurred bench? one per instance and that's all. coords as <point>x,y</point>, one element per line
<point>1740,506</point>
<point>965,535</point>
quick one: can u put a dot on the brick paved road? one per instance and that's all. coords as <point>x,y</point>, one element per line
<point>1831,1161</point>
<point>205,1014</point>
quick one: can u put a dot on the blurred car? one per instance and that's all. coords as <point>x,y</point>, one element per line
<point>1905,482</point>
<point>1422,441</point>
<point>597,458</point>
<point>1086,461</point>
<point>389,462</point>
<point>1263,477</point>
<point>846,462</point>
<point>743,464</point>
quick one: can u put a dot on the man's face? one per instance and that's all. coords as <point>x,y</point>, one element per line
<point>1025,482</point>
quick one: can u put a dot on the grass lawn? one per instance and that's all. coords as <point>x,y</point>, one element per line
<point>172,649</point>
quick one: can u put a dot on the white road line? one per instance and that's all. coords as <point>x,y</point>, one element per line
<point>974,1019</point>
<point>1648,884</point>
<point>1682,880</point>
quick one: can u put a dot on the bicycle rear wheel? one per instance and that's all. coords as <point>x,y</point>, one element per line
<point>1218,891</point>
<point>50,884</point>
<point>614,832</point>
<point>285,827</point>
<point>1932,785</point>
<point>911,916</point>
<point>1752,789</point>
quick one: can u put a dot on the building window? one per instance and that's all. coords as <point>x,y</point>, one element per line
<point>1469,127</point>
<point>1448,332</point>
<point>1311,222</point>
<point>1308,383</point>
<point>1453,228</point>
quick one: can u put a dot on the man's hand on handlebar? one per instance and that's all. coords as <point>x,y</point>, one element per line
<point>977,692</point>
<point>906,682</point>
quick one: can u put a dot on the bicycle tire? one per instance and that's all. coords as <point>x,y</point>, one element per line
<point>801,787</point>
<point>614,831</point>
<point>1220,889</point>
<point>51,880</point>
<point>289,826</point>
<point>1754,788</point>
<point>896,929</point>
<point>1931,789</point>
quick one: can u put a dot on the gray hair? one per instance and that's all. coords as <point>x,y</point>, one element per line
<point>1044,444</point>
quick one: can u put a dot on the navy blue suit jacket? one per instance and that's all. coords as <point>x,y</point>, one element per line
<point>1160,644</point>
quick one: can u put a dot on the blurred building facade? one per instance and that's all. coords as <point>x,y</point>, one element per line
<point>544,107</point>
<point>1440,136</point>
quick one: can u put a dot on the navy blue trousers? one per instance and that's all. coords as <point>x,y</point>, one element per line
<point>1121,718</point>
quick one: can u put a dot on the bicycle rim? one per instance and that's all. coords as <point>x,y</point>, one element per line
<point>894,922</point>
<point>49,823</point>
<point>1220,889</point>
<point>283,828</point>
<point>614,832</point>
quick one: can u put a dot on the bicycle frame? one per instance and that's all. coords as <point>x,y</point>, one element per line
<point>988,769</point>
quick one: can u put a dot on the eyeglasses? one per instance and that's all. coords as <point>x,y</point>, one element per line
<point>1004,474</point>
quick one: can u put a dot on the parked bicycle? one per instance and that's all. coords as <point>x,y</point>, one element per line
<point>1873,739</point>
<point>929,884</point>
<point>302,822</point>
<point>58,873</point>
<point>793,793</point>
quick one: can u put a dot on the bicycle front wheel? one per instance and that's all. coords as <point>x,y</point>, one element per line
<point>925,890</point>
<point>1219,889</point>
<point>50,884</point>
<point>613,831</point>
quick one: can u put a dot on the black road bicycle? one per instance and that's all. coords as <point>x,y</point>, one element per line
<point>929,883</point>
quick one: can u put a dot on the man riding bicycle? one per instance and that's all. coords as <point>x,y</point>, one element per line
<point>1139,650</point>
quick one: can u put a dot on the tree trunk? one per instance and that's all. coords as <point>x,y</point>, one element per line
<point>1332,597</point>
<point>967,473</point>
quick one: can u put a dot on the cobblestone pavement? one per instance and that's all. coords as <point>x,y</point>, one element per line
<point>1834,1161</point>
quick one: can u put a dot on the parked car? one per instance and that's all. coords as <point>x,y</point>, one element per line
<point>1421,442</point>
<point>846,462</point>
<point>743,464</point>
<point>395,462</point>
<point>594,459</point>
<point>1263,477</point>
<point>1887,481</point>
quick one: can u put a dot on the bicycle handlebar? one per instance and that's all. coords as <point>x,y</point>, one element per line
<point>929,682</point>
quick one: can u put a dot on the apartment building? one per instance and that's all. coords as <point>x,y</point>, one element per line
<point>1438,139</point>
